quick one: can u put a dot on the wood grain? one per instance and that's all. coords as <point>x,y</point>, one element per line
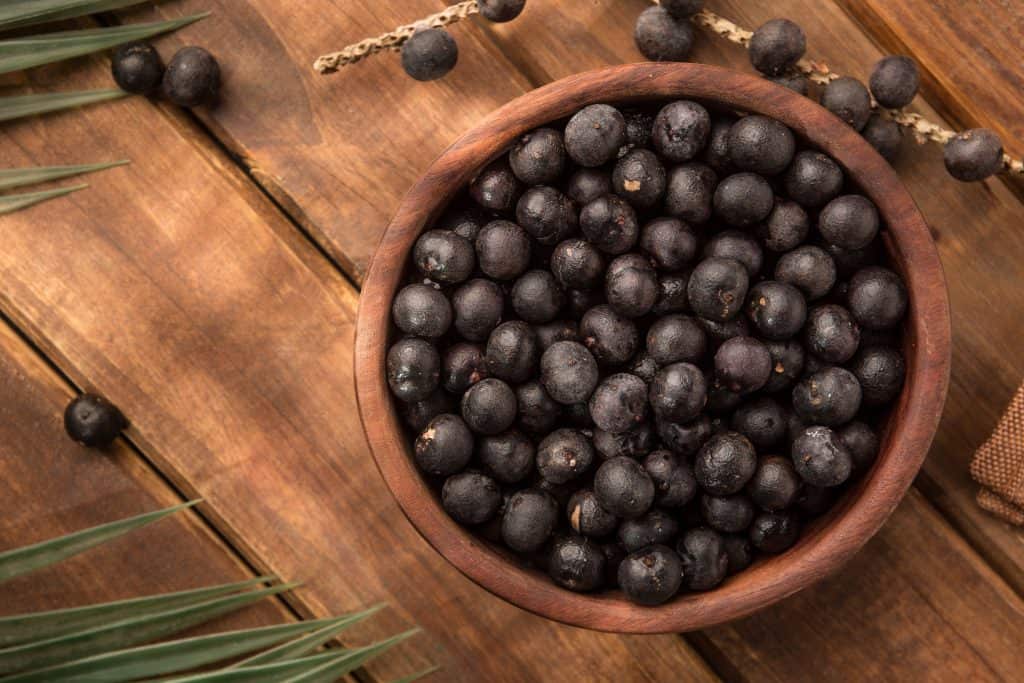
<point>175,288</point>
<point>53,486</point>
<point>822,549</point>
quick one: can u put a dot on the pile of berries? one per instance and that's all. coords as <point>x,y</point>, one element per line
<point>665,33</point>
<point>192,78</point>
<point>648,345</point>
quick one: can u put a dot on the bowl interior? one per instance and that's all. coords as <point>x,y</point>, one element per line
<point>828,541</point>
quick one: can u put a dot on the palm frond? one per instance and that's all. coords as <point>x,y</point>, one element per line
<point>351,660</point>
<point>23,560</point>
<point>17,106</point>
<point>21,628</point>
<point>166,658</point>
<point>23,53</point>
<point>14,202</point>
<point>18,177</point>
<point>18,13</point>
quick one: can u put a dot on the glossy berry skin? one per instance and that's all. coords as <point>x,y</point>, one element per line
<point>821,458</point>
<point>537,297</point>
<point>775,484</point>
<point>192,77</point>
<point>594,135</point>
<point>808,268</point>
<point>576,563</point>
<point>738,245</point>
<point>776,46</point>
<point>632,292</point>
<point>500,11</point>
<point>680,130</point>
<point>471,498</point>
<point>587,517</point>
<point>610,223</point>
<point>705,563</point>
<point>496,187</point>
<point>538,412</point>
<point>743,199</point>
<point>611,337</point>
<point>538,157</point>
<point>137,68</point>
<point>725,464</point>
<point>689,191</point>
<point>587,184</point>
<point>619,402</point>
<point>477,307</point>
<point>669,242</point>
<point>633,443</point>
<point>831,397</point>
<point>743,364</point>
<point>877,298</point>
<point>849,221</point>
<point>685,439</point>
<point>93,421</point>
<point>727,514</point>
<point>650,576</point>
<point>623,488</point>
<point>848,99</point>
<point>577,264</point>
<point>673,338</point>
<point>564,455</point>
<point>463,365</point>
<point>678,393</point>
<point>831,333</point>
<point>880,370</point>
<point>422,311</point>
<point>568,372</point>
<point>717,288</point>
<point>512,352</point>
<point>760,144</point>
<point>762,420</point>
<point>530,517</point>
<point>639,178</point>
<point>444,447</point>
<point>656,526</point>
<point>774,532</point>
<point>777,309</point>
<point>894,81</point>
<point>413,369</point>
<point>546,214</point>
<point>787,365</point>
<point>973,154</point>
<point>813,179</point>
<point>661,37</point>
<point>444,256</point>
<point>489,406</point>
<point>674,483</point>
<point>508,457</point>
<point>503,250</point>
<point>862,442</point>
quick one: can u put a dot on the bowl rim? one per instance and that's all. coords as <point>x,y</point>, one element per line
<point>830,541</point>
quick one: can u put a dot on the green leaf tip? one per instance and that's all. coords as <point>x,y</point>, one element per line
<point>11,178</point>
<point>18,13</point>
<point>15,202</point>
<point>18,106</point>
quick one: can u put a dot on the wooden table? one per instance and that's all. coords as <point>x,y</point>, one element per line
<point>209,289</point>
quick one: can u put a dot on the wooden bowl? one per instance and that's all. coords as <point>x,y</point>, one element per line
<point>827,543</point>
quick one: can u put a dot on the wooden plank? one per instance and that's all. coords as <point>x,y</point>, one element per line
<point>53,486</point>
<point>968,54</point>
<point>336,151</point>
<point>982,275</point>
<point>175,288</point>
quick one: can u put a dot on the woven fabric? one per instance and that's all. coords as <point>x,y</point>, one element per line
<point>999,465</point>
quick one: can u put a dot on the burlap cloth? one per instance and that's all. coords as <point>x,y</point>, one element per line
<point>999,465</point>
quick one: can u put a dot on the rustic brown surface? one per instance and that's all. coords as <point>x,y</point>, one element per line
<point>176,288</point>
<point>229,344</point>
<point>915,418</point>
<point>53,486</point>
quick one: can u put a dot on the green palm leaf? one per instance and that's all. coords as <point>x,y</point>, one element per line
<point>16,13</point>
<point>353,659</point>
<point>18,106</point>
<point>306,644</point>
<point>23,560</point>
<point>23,53</point>
<point>124,633</point>
<point>165,658</point>
<point>14,202</point>
<point>17,177</point>
<point>22,628</point>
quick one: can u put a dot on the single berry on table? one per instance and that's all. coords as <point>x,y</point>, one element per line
<point>973,154</point>
<point>777,46</point>
<point>894,81</point>
<point>500,11</point>
<point>885,135</point>
<point>429,54</point>
<point>192,78</point>
<point>662,37</point>
<point>93,421</point>
<point>137,68</point>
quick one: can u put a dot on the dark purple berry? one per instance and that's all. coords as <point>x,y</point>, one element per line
<point>587,184</point>
<point>973,154</point>
<point>93,421</point>
<point>848,99</point>
<point>894,81</point>
<point>422,311</point>
<point>738,245</point>
<point>634,443</point>
<point>727,514</point>
<point>821,458</point>
<point>471,498</point>
<point>877,298</point>
<point>413,369</point>
<point>880,371</point>
<point>760,144</point>
<point>417,414</point>
<point>623,488</point>
<point>508,456</point>
<point>787,364</point>
<point>610,224</point>
<point>762,420</point>
<point>674,338</point>
<point>809,269</point>
<point>685,439</point>
<point>689,191</point>
<point>681,130</point>
<point>500,11</point>
<point>775,484</point>
<point>774,532</point>
<point>885,135</point>
<point>576,563</point>
<point>137,68</point>
<point>489,406</point>
<point>777,46</point>
<point>813,179</point>
<point>463,366</point>
<point>639,178</point>
<point>536,297</point>
<point>672,294</point>
<point>631,291</point>
<point>743,364</point>
<point>444,256</point>
<point>718,288</point>
<point>739,551</point>
<point>496,187</point>
<point>674,483</point>
<point>743,199</point>
<point>568,372</point>
<point>594,135</point>
<point>661,37</point>
<point>725,464</point>
<point>610,336</point>
<point>538,157</point>
<point>477,307</point>
<point>530,517</point>
<point>444,447</point>
<point>678,393</point>
<point>849,221</point>
<point>862,442</point>
<point>831,333</point>
<point>830,397</point>
<point>669,242</point>
<point>503,250</point>
<point>538,412</point>
<point>192,77</point>
<point>705,563</point>
<point>651,576</point>
<point>777,309</point>
<point>512,352</point>
<point>656,526</point>
<point>619,402</point>
<point>587,517</point>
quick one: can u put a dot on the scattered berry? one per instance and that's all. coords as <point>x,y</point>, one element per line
<point>137,68</point>
<point>894,81</point>
<point>662,37</point>
<point>777,46</point>
<point>973,155</point>
<point>192,78</point>
<point>93,421</point>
